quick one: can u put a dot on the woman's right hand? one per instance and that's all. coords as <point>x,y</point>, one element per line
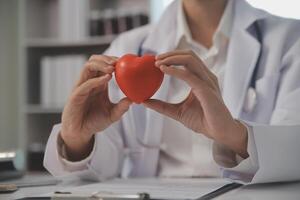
<point>89,109</point>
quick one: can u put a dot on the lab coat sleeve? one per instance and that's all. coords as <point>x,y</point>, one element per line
<point>105,161</point>
<point>233,166</point>
<point>273,148</point>
<point>63,156</point>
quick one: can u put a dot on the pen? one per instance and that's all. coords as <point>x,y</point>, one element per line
<point>67,196</point>
<point>101,196</point>
<point>220,191</point>
<point>12,187</point>
<point>139,196</point>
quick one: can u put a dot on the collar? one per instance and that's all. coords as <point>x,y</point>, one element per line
<point>160,39</point>
<point>224,27</point>
<point>246,15</point>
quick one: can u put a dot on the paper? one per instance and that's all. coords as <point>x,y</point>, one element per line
<point>157,188</point>
<point>278,148</point>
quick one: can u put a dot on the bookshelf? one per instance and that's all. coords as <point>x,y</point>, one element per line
<point>41,37</point>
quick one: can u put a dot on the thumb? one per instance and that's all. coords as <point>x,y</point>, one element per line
<point>82,92</point>
<point>168,109</point>
<point>120,108</point>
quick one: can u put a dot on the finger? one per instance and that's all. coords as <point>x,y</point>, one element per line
<point>213,78</point>
<point>100,66</point>
<point>168,109</point>
<point>191,79</point>
<point>191,57</point>
<point>120,108</point>
<point>93,69</point>
<point>193,64</point>
<point>98,90</point>
<point>197,84</point>
<point>173,53</point>
<point>110,60</point>
<point>190,62</point>
<point>115,57</point>
<point>85,89</point>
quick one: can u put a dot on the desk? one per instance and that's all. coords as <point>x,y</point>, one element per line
<point>275,191</point>
<point>279,191</point>
<point>38,190</point>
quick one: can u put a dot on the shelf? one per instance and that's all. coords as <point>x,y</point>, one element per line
<point>56,43</point>
<point>39,109</point>
<point>40,27</point>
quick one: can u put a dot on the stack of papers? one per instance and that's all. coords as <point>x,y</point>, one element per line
<point>73,20</point>
<point>58,77</point>
<point>156,188</point>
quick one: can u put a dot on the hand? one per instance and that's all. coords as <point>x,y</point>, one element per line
<point>89,109</point>
<point>203,110</point>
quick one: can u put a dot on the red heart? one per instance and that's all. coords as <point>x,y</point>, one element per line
<point>138,77</point>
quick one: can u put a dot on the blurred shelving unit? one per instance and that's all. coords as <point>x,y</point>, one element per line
<point>41,36</point>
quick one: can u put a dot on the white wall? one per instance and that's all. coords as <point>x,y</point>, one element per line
<point>8,75</point>
<point>157,7</point>
<point>284,8</point>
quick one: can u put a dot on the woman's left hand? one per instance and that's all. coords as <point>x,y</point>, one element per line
<point>203,110</point>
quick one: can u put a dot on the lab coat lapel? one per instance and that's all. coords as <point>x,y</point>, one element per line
<point>243,52</point>
<point>242,59</point>
<point>159,40</point>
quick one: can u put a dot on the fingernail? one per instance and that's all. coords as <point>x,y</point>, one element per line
<point>111,62</point>
<point>157,63</point>
<point>162,67</point>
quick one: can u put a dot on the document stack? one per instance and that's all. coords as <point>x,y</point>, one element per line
<point>73,19</point>
<point>58,76</point>
<point>109,21</point>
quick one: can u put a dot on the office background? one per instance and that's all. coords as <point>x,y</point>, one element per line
<point>43,45</point>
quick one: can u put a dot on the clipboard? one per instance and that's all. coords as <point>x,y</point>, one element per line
<point>141,196</point>
<point>220,191</point>
<point>69,196</point>
<point>99,196</point>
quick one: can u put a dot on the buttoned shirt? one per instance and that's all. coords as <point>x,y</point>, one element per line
<point>186,153</point>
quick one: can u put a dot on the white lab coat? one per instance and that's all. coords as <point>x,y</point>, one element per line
<point>274,124</point>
